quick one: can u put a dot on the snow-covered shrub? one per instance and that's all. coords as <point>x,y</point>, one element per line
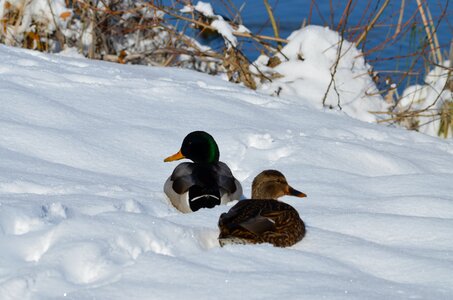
<point>235,64</point>
<point>312,68</point>
<point>33,24</point>
<point>428,108</point>
<point>115,30</point>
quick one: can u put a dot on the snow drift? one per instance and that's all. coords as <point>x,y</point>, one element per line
<point>83,215</point>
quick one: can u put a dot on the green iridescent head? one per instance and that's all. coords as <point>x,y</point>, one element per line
<point>198,146</point>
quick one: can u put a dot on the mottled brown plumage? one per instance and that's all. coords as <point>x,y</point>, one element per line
<point>263,219</point>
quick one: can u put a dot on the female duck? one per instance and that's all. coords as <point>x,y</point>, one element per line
<point>264,219</point>
<point>206,182</point>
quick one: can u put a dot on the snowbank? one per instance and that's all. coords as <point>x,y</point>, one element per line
<point>83,215</point>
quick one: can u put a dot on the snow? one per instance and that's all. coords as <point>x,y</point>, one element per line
<point>83,214</point>
<point>428,97</point>
<point>218,22</point>
<point>46,12</point>
<point>204,8</point>
<point>225,30</point>
<point>308,61</point>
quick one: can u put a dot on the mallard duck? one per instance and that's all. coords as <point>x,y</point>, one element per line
<point>263,219</point>
<point>204,183</point>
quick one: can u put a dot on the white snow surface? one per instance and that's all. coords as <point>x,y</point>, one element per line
<point>83,215</point>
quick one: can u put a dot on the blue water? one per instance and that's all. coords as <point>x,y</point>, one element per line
<point>290,14</point>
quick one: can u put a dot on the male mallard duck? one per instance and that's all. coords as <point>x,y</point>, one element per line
<point>206,182</point>
<point>264,219</point>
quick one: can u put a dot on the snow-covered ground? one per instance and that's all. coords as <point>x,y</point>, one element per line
<point>83,215</point>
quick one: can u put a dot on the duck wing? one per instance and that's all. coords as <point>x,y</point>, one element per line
<point>258,224</point>
<point>262,221</point>
<point>213,175</point>
<point>252,209</point>
<point>225,178</point>
<point>246,215</point>
<point>202,185</point>
<point>182,177</point>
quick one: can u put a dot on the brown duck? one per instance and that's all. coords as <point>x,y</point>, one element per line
<point>264,219</point>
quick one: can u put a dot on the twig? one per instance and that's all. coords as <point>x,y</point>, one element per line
<point>58,34</point>
<point>92,49</point>
<point>20,16</point>
<point>427,28</point>
<point>450,72</point>
<point>373,21</point>
<point>272,19</point>
<point>400,20</point>
<point>434,34</point>
<point>337,61</point>
<point>343,16</point>
<point>202,24</point>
